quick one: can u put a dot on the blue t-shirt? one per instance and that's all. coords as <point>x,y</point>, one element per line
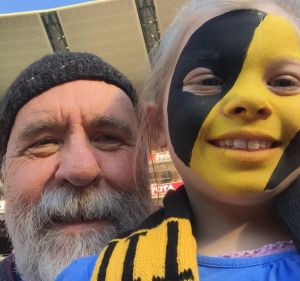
<point>283,266</point>
<point>278,267</point>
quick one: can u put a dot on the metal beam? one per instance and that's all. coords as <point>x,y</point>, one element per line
<point>55,32</point>
<point>148,20</point>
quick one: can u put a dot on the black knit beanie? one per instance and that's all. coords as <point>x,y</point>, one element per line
<point>48,72</point>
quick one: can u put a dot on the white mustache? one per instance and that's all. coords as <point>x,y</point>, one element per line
<point>41,251</point>
<point>71,204</point>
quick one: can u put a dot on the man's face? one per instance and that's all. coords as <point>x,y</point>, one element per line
<point>69,169</point>
<point>232,108</point>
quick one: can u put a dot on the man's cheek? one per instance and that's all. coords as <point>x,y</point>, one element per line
<point>27,176</point>
<point>114,172</point>
<point>11,169</point>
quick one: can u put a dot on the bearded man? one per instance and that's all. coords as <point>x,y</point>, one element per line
<point>73,175</point>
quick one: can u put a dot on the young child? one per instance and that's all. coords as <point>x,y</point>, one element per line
<point>224,95</point>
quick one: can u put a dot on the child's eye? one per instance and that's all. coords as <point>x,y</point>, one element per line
<point>285,85</point>
<point>201,81</point>
<point>210,80</point>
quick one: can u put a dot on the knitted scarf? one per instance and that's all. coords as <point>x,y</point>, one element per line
<point>162,248</point>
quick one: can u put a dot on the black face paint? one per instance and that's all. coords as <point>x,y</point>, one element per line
<point>220,45</point>
<point>288,163</point>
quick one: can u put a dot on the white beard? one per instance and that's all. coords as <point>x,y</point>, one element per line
<point>41,252</point>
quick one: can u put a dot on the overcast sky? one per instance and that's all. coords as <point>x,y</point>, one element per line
<point>13,6</point>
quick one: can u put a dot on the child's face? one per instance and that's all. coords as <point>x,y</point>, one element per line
<point>233,107</point>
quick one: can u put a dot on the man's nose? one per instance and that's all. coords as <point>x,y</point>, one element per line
<point>78,164</point>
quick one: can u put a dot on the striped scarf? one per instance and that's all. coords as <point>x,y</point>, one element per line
<point>162,248</point>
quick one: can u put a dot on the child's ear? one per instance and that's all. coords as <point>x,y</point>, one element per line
<point>157,129</point>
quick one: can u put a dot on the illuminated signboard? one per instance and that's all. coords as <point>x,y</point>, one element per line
<point>160,190</point>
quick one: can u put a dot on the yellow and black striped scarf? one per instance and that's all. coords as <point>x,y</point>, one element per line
<point>162,248</point>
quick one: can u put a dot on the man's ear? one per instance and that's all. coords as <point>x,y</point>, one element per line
<point>156,125</point>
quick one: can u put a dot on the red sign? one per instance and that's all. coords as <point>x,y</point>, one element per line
<point>160,190</point>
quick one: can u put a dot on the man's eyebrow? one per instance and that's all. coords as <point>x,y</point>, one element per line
<point>111,123</point>
<point>38,127</point>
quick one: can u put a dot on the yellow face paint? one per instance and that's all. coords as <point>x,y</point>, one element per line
<point>247,132</point>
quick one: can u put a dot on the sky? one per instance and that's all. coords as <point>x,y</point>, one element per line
<point>13,6</point>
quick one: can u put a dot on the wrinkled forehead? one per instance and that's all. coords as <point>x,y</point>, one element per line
<point>89,104</point>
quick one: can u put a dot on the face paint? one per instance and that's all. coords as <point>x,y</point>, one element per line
<point>231,116</point>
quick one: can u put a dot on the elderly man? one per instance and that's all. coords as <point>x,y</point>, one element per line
<point>73,174</point>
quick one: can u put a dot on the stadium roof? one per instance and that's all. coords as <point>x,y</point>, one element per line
<point>120,31</point>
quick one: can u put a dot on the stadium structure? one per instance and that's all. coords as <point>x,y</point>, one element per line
<point>122,32</point>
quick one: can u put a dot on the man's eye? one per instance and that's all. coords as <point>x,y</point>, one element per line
<point>107,142</point>
<point>106,138</point>
<point>43,147</point>
<point>45,142</point>
<point>284,85</point>
<point>201,81</point>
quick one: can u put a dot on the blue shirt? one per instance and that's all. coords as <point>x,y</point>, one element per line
<point>278,267</point>
<point>283,266</point>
